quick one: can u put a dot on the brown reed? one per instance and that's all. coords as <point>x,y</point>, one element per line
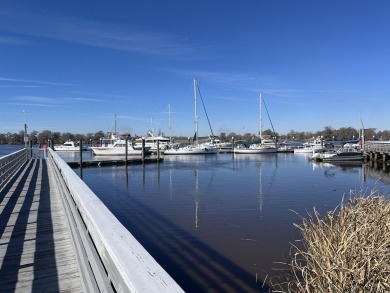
<point>347,250</point>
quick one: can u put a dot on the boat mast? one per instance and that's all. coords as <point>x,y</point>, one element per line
<point>115,123</point>
<point>362,137</point>
<point>196,116</point>
<point>261,119</point>
<point>170,127</point>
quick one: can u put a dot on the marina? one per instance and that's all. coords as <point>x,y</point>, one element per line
<point>165,147</point>
<point>221,222</point>
<point>230,209</point>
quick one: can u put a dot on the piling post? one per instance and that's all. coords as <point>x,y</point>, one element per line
<point>233,144</point>
<point>158,150</point>
<point>126,149</point>
<point>143,150</point>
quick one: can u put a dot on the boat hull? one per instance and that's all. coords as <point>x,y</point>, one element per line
<point>308,150</point>
<point>66,149</point>
<point>337,158</point>
<point>192,151</point>
<point>342,155</point>
<point>255,150</point>
<point>110,151</point>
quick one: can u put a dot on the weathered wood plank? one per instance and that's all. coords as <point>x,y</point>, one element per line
<point>36,250</point>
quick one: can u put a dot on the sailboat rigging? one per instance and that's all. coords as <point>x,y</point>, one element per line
<point>196,148</point>
<point>264,146</point>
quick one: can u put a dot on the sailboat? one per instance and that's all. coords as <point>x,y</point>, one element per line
<point>257,148</point>
<point>196,148</point>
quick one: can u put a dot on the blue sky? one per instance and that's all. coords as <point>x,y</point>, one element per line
<point>71,66</point>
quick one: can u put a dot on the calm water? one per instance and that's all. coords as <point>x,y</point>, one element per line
<point>219,223</point>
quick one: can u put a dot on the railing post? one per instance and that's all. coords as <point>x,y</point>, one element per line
<point>31,148</point>
<point>81,158</point>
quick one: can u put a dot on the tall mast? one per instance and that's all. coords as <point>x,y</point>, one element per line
<point>170,127</point>
<point>115,125</point>
<point>196,115</point>
<point>261,119</point>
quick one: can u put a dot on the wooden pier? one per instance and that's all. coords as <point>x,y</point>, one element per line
<point>378,152</point>
<point>57,236</point>
<point>36,249</point>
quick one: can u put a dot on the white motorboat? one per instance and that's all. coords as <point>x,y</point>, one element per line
<point>314,146</point>
<point>195,149</point>
<point>308,149</point>
<point>68,146</point>
<point>341,155</point>
<point>151,142</point>
<point>119,149</point>
<point>217,143</point>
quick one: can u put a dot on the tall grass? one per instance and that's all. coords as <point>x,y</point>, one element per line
<point>346,250</point>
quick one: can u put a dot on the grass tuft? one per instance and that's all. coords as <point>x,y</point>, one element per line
<point>346,250</point>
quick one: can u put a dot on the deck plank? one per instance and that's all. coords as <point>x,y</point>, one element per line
<point>36,249</point>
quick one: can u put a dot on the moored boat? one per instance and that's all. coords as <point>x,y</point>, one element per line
<point>196,148</point>
<point>119,149</point>
<point>317,145</point>
<point>341,155</point>
<point>68,146</point>
<point>265,145</point>
<point>192,150</point>
<point>243,148</point>
<point>151,141</point>
<point>222,146</point>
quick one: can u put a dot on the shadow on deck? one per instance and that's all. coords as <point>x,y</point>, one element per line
<point>34,243</point>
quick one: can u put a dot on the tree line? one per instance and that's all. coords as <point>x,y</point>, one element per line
<point>328,134</point>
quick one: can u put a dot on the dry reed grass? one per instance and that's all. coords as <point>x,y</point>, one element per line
<point>347,250</point>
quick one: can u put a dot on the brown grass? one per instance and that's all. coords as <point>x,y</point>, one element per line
<point>347,250</point>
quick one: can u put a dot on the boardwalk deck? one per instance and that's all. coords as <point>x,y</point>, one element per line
<point>36,249</point>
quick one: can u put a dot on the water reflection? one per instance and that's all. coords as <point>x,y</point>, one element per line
<point>218,223</point>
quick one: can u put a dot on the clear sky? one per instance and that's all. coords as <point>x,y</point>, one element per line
<point>71,66</point>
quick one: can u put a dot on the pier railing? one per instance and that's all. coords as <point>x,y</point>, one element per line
<point>9,164</point>
<point>110,258</point>
<point>382,147</point>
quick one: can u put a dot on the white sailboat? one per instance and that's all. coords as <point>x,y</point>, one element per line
<point>257,148</point>
<point>196,148</point>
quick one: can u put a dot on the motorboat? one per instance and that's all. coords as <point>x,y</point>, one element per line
<point>119,149</point>
<point>314,146</point>
<point>217,143</point>
<point>68,146</point>
<point>151,141</point>
<point>309,149</point>
<point>341,155</point>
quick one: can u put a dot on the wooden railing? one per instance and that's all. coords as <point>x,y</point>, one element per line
<point>110,258</point>
<point>382,147</point>
<point>9,164</point>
